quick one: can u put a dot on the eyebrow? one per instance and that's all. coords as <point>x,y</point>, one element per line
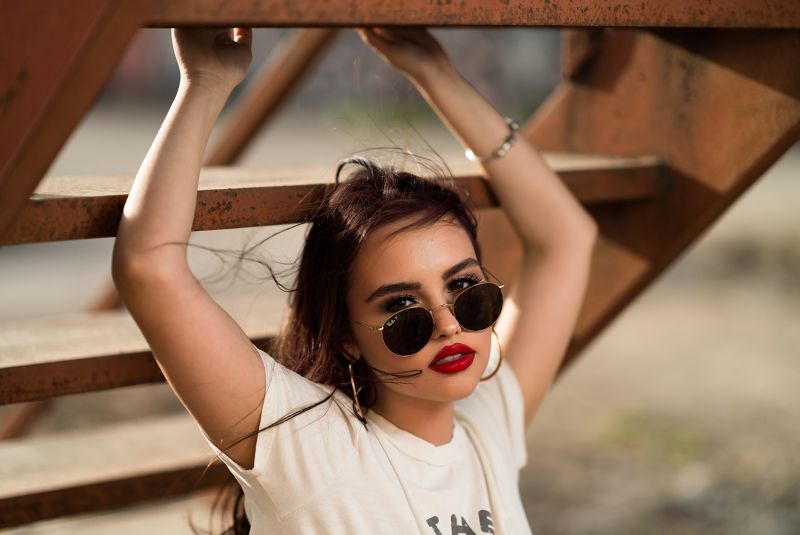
<point>405,286</point>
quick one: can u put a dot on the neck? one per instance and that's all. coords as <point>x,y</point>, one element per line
<point>431,421</point>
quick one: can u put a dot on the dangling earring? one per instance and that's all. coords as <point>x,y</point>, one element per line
<point>499,360</point>
<point>359,412</point>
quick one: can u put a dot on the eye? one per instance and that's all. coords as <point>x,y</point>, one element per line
<point>462,282</point>
<point>399,302</point>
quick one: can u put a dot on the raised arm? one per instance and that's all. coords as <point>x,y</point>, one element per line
<point>558,235</point>
<point>205,356</point>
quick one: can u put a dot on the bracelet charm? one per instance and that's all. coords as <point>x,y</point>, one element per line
<point>509,141</point>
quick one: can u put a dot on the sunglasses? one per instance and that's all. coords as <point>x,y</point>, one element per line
<point>475,308</point>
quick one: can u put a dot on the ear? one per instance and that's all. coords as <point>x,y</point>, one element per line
<point>350,347</point>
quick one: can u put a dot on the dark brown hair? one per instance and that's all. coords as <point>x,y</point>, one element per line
<point>313,338</point>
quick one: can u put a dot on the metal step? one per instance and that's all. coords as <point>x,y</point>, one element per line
<point>639,13</point>
<point>82,471</point>
<point>89,351</point>
<point>79,207</point>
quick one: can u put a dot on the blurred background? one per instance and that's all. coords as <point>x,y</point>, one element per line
<point>681,417</point>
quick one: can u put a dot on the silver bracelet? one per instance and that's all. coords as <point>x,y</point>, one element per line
<point>513,126</point>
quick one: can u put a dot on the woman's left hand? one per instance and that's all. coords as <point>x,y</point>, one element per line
<point>215,57</point>
<point>413,51</point>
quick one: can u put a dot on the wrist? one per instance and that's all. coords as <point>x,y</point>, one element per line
<point>206,100</point>
<point>211,86</point>
<point>435,74</point>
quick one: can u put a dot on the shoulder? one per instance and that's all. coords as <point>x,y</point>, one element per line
<point>495,409</point>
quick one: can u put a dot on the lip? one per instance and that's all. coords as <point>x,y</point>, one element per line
<point>456,365</point>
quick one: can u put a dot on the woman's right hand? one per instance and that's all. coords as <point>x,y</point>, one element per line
<point>217,58</point>
<point>413,51</point>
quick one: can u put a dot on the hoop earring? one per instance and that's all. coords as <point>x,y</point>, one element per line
<point>357,404</point>
<point>499,361</point>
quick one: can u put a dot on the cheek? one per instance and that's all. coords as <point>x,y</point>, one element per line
<point>377,355</point>
<point>373,350</point>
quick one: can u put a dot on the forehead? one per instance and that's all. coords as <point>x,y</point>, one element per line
<point>411,254</point>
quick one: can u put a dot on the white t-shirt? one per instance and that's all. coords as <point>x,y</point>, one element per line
<point>322,472</point>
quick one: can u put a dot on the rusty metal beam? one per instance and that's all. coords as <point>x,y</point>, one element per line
<point>101,469</point>
<point>41,381</point>
<point>57,355</point>
<point>109,495</point>
<point>579,49</point>
<point>720,107</point>
<point>56,57</point>
<point>630,13</point>
<point>279,76</point>
<point>68,208</point>
<point>44,381</point>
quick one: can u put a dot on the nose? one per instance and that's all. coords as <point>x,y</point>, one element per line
<point>445,324</point>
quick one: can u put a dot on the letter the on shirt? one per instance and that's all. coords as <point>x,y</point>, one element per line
<point>463,528</point>
<point>458,529</point>
<point>487,526</point>
<point>434,523</point>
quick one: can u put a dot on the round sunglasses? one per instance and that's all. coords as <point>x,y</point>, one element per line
<point>476,308</point>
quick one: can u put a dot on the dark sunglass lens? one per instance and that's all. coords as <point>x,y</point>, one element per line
<point>408,331</point>
<point>479,306</point>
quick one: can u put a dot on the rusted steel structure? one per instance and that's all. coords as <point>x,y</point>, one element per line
<point>675,109</point>
<point>626,13</point>
<point>278,77</point>
<point>718,106</point>
<point>73,208</point>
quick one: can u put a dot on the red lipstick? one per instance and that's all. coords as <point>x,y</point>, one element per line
<point>453,358</point>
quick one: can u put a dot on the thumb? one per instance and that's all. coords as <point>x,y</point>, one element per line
<point>243,35</point>
<point>374,38</point>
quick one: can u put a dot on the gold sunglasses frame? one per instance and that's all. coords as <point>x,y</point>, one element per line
<point>431,311</point>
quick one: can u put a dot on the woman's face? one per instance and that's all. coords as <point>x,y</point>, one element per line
<point>424,266</point>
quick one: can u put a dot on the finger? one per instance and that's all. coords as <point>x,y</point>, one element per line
<point>371,37</point>
<point>366,33</point>
<point>223,37</point>
<point>378,39</point>
<point>243,35</point>
<point>414,35</point>
<point>386,34</point>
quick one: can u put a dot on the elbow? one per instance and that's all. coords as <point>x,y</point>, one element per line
<point>124,264</point>
<point>134,270</point>
<point>119,264</point>
<point>591,230</point>
<point>583,233</point>
<point>579,234</point>
<point>126,271</point>
<point>584,238</point>
<point>122,273</point>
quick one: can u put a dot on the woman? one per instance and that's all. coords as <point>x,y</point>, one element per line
<point>392,319</point>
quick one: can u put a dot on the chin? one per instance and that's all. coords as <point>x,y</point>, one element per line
<point>466,393</point>
<point>460,387</point>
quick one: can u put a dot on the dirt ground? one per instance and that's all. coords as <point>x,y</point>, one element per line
<point>681,418</point>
